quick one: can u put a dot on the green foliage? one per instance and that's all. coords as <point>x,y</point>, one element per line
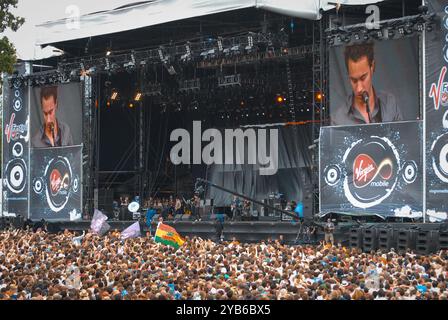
<point>8,21</point>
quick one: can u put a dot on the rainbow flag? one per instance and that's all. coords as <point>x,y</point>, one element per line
<point>169,236</point>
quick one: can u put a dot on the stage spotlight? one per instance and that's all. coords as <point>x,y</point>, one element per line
<point>319,97</point>
<point>409,27</point>
<point>220,46</point>
<point>429,27</point>
<point>357,37</point>
<point>379,34</point>
<point>138,96</point>
<point>108,104</point>
<point>390,33</point>
<point>401,30</point>
<point>114,95</point>
<point>131,105</point>
<point>280,99</point>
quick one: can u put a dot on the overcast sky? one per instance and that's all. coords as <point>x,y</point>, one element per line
<point>34,13</point>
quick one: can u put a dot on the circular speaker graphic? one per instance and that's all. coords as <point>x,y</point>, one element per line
<point>445,120</point>
<point>38,185</point>
<point>410,172</point>
<point>332,175</point>
<point>16,175</point>
<point>17,105</point>
<point>439,155</point>
<point>372,171</point>
<point>58,179</point>
<point>17,150</point>
<point>17,83</point>
<point>76,184</point>
<point>17,93</point>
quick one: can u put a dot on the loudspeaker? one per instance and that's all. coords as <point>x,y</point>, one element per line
<point>54,227</point>
<point>370,240</point>
<point>443,240</point>
<point>356,237</point>
<point>425,243</point>
<point>124,213</point>
<point>405,240</point>
<point>386,239</point>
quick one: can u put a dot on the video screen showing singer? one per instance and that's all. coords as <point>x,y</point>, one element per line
<point>364,104</point>
<point>53,133</point>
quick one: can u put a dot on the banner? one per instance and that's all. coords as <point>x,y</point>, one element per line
<point>15,146</point>
<point>436,46</point>
<point>372,169</point>
<point>56,185</point>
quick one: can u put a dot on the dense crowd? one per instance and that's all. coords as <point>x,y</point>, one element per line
<point>42,266</point>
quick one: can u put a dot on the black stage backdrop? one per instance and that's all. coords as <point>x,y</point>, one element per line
<point>374,169</point>
<point>291,179</point>
<point>56,186</point>
<point>16,138</point>
<point>437,114</point>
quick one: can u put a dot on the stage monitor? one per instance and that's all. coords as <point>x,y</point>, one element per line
<point>384,73</point>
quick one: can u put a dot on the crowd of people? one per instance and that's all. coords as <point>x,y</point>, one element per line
<point>66,266</point>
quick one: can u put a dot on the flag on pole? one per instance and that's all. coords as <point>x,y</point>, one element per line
<point>104,229</point>
<point>132,231</point>
<point>97,221</point>
<point>169,236</point>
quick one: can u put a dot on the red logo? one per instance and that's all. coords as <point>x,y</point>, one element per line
<point>57,182</point>
<point>365,170</point>
<point>439,92</point>
<point>13,131</point>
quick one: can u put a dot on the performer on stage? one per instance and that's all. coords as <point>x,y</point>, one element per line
<point>364,104</point>
<point>329,229</point>
<point>236,208</point>
<point>178,207</point>
<point>246,209</point>
<point>196,203</point>
<point>54,132</point>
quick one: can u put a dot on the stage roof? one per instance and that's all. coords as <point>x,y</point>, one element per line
<point>132,15</point>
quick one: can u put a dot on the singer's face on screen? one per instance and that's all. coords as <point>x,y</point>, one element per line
<point>360,74</point>
<point>49,107</point>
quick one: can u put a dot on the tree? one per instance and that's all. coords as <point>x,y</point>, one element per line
<point>8,21</point>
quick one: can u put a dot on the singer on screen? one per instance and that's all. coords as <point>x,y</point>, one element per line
<point>53,133</point>
<point>364,104</point>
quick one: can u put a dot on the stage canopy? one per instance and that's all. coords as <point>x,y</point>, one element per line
<point>134,15</point>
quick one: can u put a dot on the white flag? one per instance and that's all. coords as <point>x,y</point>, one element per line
<point>97,221</point>
<point>132,231</point>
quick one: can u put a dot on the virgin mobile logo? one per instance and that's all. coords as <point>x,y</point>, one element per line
<point>366,170</point>
<point>439,91</point>
<point>230,150</point>
<point>14,131</point>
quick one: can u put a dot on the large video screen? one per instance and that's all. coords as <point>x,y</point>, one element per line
<point>56,116</point>
<point>375,82</point>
